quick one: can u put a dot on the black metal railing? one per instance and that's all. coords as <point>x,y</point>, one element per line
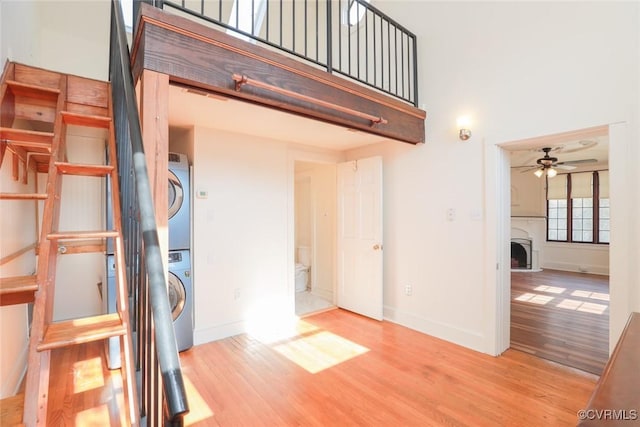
<point>156,349</point>
<point>348,37</point>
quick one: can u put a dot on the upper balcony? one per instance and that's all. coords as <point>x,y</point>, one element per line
<point>340,61</point>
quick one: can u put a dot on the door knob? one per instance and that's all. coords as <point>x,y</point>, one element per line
<point>377,247</point>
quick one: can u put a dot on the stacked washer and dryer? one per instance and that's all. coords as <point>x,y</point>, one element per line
<point>180,286</point>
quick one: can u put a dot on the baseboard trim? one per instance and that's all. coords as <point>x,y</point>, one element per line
<point>215,333</point>
<point>466,338</point>
<point>589,269</point>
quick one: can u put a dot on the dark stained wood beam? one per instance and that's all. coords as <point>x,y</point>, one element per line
<point>201,57</point>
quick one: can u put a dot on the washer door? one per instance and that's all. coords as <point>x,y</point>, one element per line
<point>177,295</point>
<point>176,195</point>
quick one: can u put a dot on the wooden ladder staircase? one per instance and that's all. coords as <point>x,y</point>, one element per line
<point>51,103</point>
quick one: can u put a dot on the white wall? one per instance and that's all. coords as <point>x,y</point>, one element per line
<point>65,36</point>
<point>18,230</point>
<point>243,246</point>
<point>527,195</point>
<point>519,70</point>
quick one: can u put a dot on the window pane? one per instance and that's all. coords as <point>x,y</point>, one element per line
<point>553,224</point>
<point>577,212</point>
<point>577,203</point>
<point>604,225</point>
<point>553,213</point>
<point>562,203</point>
<point>587,224</point>
<point>576,236</point>
<point>604,213</point>
<point>562,213</point>
<point>604,237</point>
<point>587,203</point>
<point>562,224</point>
<point>604,203</point>
<point>587,236</point>
<point>577,224</point>
<point>553,203</point>
<point>562,235</point>
<point>553,234</point>
<point>587,213</point>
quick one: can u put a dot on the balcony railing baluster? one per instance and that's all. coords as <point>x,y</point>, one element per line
<point>367,53</point>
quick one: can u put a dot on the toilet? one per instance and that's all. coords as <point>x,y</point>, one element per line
<point>302,269</point>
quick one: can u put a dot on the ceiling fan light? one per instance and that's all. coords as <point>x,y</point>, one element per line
<point>538,172</point>
<point>551,172</point>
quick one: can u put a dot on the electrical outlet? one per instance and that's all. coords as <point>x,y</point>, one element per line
<point>408,290</point>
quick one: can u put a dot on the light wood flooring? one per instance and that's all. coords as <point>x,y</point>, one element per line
<point>561,316</point>
<point>337,368</point>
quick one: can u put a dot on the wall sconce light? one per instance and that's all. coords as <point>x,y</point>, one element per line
<point>463,125</point>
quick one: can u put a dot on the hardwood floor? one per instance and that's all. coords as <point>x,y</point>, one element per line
<point>82,390</point>
<point>339,368</point>
<point>336,368</point>
<point>561,316</point>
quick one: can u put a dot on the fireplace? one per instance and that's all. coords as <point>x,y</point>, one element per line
<point>521,254</point>
<point>527,234</point>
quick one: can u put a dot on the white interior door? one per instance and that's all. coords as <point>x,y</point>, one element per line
<point>360,237</point>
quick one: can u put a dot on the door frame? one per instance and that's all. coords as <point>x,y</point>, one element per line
<point>294,155</point>
<point>498,226</point>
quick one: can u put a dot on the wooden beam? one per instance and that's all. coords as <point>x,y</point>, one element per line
<point>154,111</point>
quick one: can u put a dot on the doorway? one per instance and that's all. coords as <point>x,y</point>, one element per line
<point>559,283</point>
<point>315,236</point>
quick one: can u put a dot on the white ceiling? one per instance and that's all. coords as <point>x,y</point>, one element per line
<point>189,108</point>
<point>590,143</point>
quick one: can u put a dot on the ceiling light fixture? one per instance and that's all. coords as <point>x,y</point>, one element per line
<point>547,164</point>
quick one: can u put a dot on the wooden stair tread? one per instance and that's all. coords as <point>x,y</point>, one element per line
<point>23,196</point>
<point>11,409</point>
<point>18,290</point>
<point>82,235</point>
<point>79,331</point>
<point>18,284</point>
<point>33,91</point>
<point>79,119</point>
<point>26,137</point>
<point>83,169</point>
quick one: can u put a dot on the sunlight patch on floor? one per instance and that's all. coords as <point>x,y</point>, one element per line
<point>320,351</point>
<point>587,307</point>
<point>551,289</point>
<point>198,408</point>
<point>94,417</point>
<point>87,375</point>
<point>593,295</point>
<point>534,298</point>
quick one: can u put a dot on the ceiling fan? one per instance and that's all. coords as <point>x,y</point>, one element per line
<point>549,165</point>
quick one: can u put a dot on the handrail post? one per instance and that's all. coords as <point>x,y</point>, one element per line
<point>163,340</point>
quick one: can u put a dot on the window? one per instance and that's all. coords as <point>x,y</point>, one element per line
<point>247,16</point>
<point>357,10</point>
<point>578,208</point>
